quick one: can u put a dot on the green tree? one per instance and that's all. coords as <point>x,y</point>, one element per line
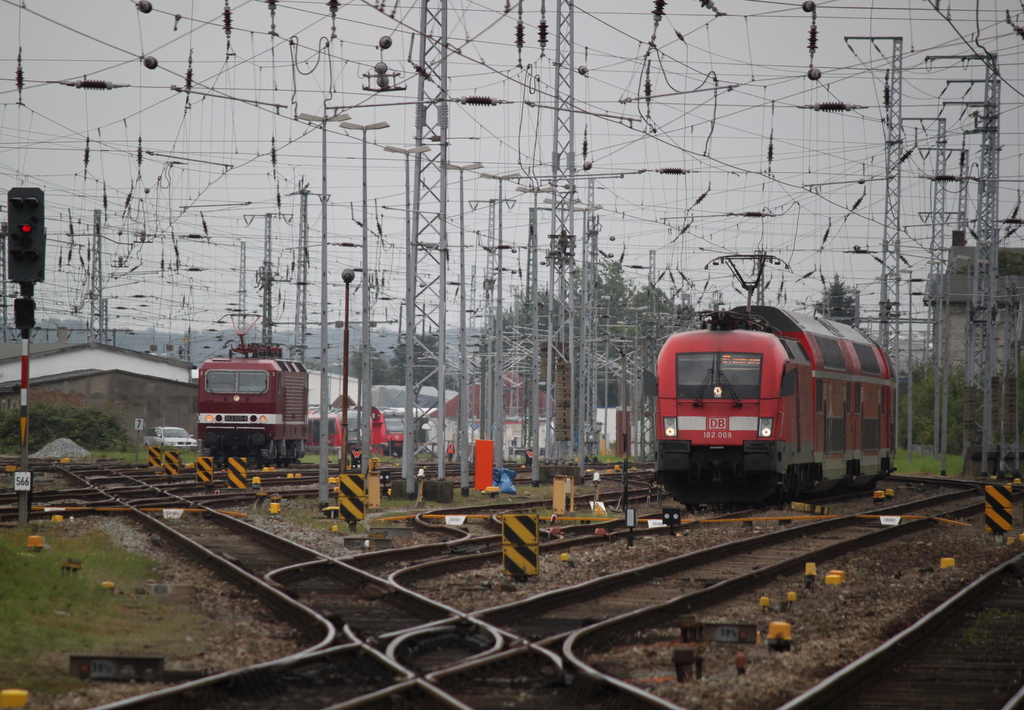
<point>89,428</point>
<point>838,303</point>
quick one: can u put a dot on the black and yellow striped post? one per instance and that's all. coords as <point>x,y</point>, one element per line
<point>156,457</point>
<point>237,474</point>
<point>998,509</point>
<point>520,544</point>
<point>172,462</point>
<point>810,508</point>
<point>352,497</point>
<point>204,469</point>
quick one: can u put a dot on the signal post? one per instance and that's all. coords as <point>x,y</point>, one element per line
<point>26,263</point>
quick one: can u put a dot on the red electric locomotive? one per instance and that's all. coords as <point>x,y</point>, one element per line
<point>768,404</point>
<point>253,407</point>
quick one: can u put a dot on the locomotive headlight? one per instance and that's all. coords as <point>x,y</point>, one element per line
<point>209,418</point>
<point>764,427</point>
<point>263,419</point>
<point>236,398</point>
<point>670,426</point>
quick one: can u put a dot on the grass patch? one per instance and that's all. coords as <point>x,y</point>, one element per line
<point>928,464</point>
<point>48,614</point>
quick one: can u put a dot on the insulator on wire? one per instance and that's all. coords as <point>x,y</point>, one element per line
<point>771,150</point>
<point>227,27</point>
<point>659,10</point>
<point>542,32</point>
<point>332,7</point>
<point>586,144</point>
<point>833,107</point>
<point>19,77</point>
<point>188,75</point>
<point>272,6</point>
<point>104,197</point>
<point>86,156</point>
<point>206,230</point>
<point>273,152</point>
<point>812,41</point>
<point>479,101</point>
<point>673,171</point>
<point>138,154</point>
<point>903,158</point>
<point>1018,30</point>
<point>93,84</point>
<point>946,178</point>
<point>886,95</point>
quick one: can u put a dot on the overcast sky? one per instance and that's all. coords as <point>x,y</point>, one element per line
<point>729,104</point>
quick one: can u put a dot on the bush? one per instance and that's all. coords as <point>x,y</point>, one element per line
<point>89,428</point>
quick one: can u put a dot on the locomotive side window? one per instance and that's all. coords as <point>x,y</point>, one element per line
<point>700,375</point>
<point>237,381</point>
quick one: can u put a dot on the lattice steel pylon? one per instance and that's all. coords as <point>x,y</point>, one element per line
<point>986,263</point>
<point>302,277</point>
<point>98,332</point>
<point>981,360</point>
<point>889,288</point>
<point>562,250</point>
<point>427,250</point>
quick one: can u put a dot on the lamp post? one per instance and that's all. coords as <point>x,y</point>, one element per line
<point>463,351</point>
<point>324,391</point>
<point>365,399</point>
<point>498,403</point>
<point>347,275</point>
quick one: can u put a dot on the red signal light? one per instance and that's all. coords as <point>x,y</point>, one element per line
<point>26,228</point>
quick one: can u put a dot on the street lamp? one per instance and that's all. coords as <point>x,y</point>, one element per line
<point>324,384</point>
<point>347,275</point>
<point>463,354</point>
<point>365,399</point>
<point>498,402</point>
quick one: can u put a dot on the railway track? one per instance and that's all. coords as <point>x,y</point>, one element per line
<point>964,654</point>
<point>375,643</point>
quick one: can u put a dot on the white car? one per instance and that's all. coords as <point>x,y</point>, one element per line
<point>170,437</point>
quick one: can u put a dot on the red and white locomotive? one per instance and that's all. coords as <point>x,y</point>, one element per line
<point>768,404</point>
<point>253,407</point>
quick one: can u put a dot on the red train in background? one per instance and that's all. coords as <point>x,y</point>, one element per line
<point>769,404</point>
<point>253,406</point>
<point>378,429</point>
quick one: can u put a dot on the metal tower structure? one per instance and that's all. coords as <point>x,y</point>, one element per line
<point>983,313</point>
<point>427,250</point>
<point>265,276</point>
<point>302,276</point>
<point>889,288</point>
<point>97,303</point>
<point>562,251</point>
<point>242,285</point>
<point>986,265</point>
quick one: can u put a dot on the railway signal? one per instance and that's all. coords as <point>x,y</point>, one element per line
<point>26,235</point>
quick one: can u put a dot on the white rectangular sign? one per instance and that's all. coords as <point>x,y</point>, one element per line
<point>455,520</point>
<point>140,423</point>
<point>22,480</point>
<point>889,520</point>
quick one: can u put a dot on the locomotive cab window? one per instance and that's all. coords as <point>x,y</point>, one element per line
<point>236,381</point>
<point>718,375</point>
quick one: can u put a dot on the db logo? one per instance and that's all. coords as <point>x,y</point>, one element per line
<point>717,423</point>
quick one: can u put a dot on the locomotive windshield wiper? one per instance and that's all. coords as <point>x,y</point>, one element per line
<point>700,393</point>
<point>736,397</point>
